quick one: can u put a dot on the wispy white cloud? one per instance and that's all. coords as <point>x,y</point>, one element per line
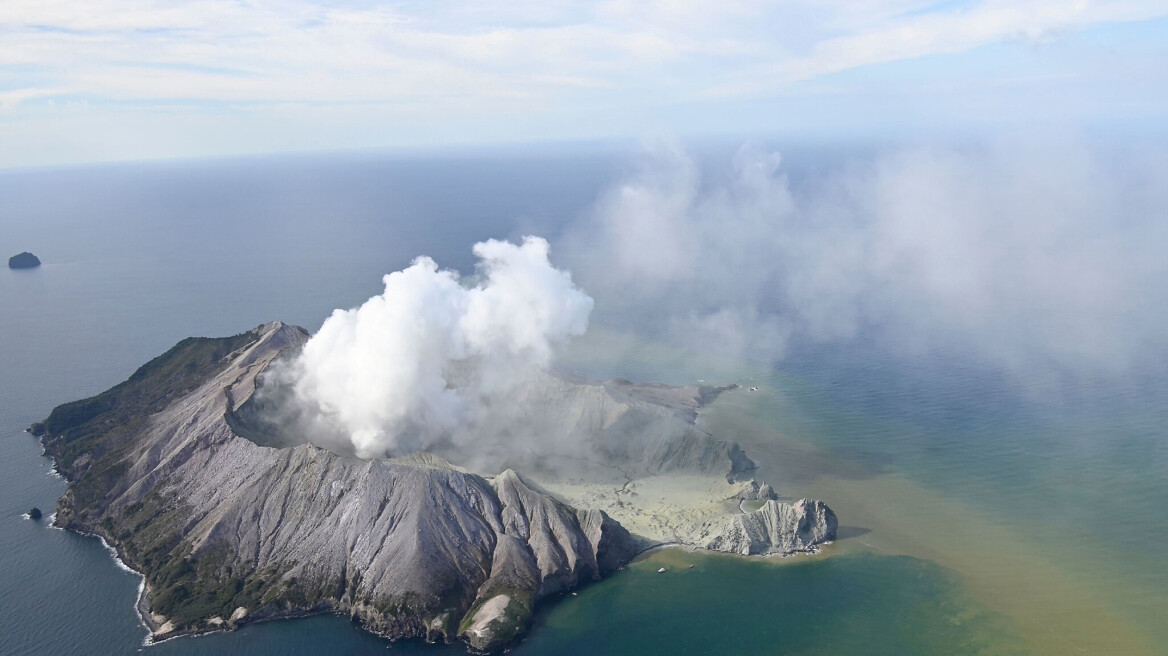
<point>477,59</point>
<point>908,34</point>
<point>13,97</point>
<point>221,50</point>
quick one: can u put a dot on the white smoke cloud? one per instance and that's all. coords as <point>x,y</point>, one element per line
<point>410,367</point>
<point>1028,253</point>
<point>1034,256</point>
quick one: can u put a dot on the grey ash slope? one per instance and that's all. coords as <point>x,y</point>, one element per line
<point>225,530</point>
<point>639,428</point>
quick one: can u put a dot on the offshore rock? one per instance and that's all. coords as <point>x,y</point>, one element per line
<point>24,260</point>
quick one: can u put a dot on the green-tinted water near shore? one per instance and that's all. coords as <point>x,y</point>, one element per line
<point>848,604</point>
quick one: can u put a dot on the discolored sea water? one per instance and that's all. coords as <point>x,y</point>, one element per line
<point>978,516</point>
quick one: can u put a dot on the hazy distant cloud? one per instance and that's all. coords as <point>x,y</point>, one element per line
<point>221,50</point>
<point>1035,254</point>
<point>915,31</point>
<point>229,72</point>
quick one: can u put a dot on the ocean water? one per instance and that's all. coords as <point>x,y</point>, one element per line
<point>978,517</point>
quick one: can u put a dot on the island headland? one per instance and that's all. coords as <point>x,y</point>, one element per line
<point>177,470</point>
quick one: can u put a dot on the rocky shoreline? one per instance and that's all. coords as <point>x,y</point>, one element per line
<point>226,531</point>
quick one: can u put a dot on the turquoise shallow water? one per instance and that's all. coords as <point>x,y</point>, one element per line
<point>845,604</point>
<point>137,258</point>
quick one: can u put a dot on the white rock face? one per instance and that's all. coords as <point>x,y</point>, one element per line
<point>775,528</point>
<point>488,622</point>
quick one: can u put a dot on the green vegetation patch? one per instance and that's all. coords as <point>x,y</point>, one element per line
<point>90,440</point>
<point>79,435</point>
<point>189,590</point>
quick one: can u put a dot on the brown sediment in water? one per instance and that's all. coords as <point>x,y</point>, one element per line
<point>1055,612</point>
<point>1058,605</point>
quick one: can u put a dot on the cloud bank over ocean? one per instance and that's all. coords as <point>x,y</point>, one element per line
<point>1025,252</point>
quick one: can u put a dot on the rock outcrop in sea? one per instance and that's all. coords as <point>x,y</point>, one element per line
<point>24,260</point>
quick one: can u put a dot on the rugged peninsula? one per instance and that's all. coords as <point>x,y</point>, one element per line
<point>176,470</point>
<point>24,260</point>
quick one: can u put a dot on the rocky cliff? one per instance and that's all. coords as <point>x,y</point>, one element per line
<point>775,528</point>
<point>227,531</point>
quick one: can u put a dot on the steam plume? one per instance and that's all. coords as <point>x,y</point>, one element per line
<point>412,365</point>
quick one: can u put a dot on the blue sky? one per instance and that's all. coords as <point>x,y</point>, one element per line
<point>112,80</point>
